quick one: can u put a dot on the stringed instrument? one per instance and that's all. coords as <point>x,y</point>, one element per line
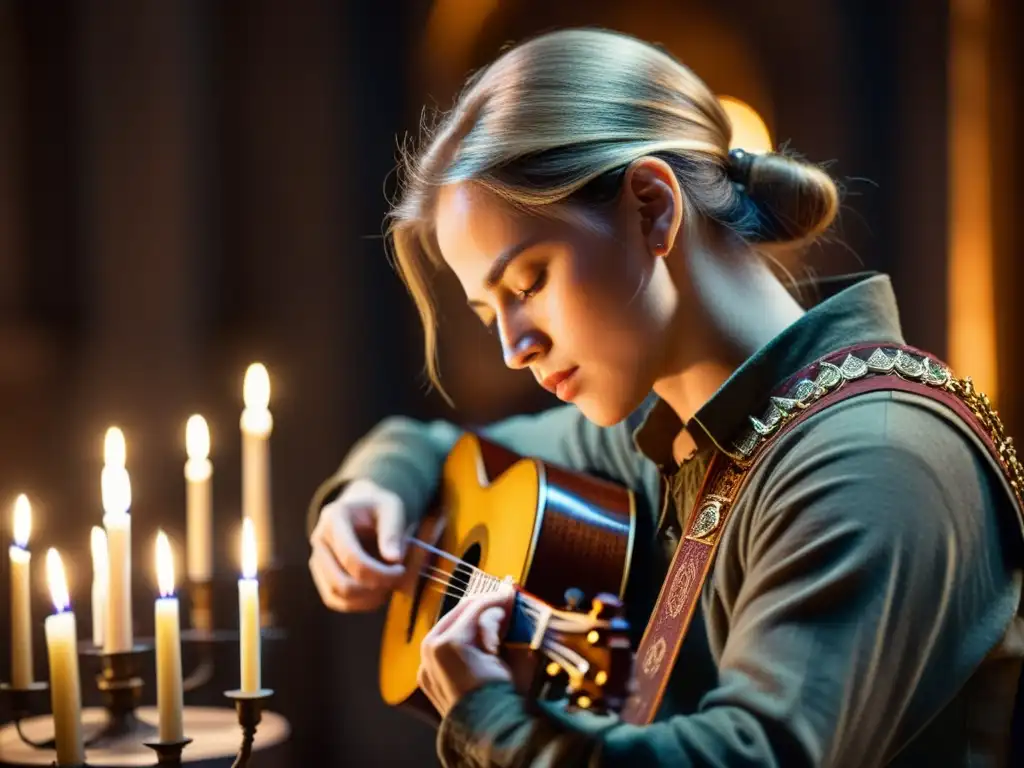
<point>562,539</point>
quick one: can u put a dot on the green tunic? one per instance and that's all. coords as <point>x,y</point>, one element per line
<point>863,607</point>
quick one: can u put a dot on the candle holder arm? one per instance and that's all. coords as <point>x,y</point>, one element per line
<point>245,751</point>
<point>48,744</point>
<point>250,710</point>
<point>21,706</point>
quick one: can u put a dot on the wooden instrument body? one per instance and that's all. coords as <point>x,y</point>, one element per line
<point>547,528</point>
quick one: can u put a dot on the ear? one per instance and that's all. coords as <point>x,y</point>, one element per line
<point>652,191</point>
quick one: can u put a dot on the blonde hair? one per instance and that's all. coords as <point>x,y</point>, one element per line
<point>558,118</point>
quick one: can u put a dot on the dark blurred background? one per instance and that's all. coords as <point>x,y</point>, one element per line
<point>188,186</point>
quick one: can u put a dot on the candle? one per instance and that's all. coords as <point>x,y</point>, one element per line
<point>257,424</point>
<point>249,611</point>
<point>21,605</point>
<point>198,497</point>
<point>100,576</point>
<point>169,694</point>
<point>117,500</point>
<point>62,651</point>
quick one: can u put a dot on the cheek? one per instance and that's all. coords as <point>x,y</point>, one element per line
<point>603,304</point>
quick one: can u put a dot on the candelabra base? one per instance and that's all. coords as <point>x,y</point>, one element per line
<point>168,753</point>
<point>214,731</point>
<point>249,705</point>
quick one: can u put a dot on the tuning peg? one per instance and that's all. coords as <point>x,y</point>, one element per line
<point>574,598</point>
<point>606,606</point>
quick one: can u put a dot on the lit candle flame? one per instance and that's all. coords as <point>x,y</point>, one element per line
<point>749,131</point>
<point>57,580</point>
<point>114,450</point>
<point>116,488</point>
<point>22,521</point>
<point>164,565</point>
<point>100,558</point>
<point>256,388</point>
<point>248,549</point>
<point>197,438</point>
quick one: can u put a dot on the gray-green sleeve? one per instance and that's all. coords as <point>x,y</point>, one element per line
<point>406,456</point>
<point>863,586</point>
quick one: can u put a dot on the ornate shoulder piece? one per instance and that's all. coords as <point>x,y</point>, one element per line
<point>903,363</point>
<point>804,392</point>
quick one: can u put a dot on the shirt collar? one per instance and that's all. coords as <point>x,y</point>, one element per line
<point>853,309</point>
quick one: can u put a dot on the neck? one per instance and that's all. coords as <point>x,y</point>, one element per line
<point>730,305</point>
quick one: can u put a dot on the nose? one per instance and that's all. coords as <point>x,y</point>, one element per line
<point>521,346</point>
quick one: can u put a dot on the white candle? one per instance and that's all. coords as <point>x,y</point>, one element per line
<point>169,693</point>
<point>62,652</point>
<point>257,424</point>
<point>117,500</point>
<point>199,501</point>
<point>249,612</point>
<point>21,604</point>
<point>100,575</point>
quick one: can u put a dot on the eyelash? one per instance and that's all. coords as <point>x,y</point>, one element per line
<point>523,295</point>
<point>533,289</point>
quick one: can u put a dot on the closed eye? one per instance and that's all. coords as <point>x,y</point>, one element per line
<point>534,288</point>
<point>486,314</point>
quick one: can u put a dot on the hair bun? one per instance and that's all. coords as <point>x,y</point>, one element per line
<point>796,201</point>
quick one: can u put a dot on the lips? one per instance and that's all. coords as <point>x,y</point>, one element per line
<point>550,383</point>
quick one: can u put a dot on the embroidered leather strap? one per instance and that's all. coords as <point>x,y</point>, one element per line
<point>846,373</point>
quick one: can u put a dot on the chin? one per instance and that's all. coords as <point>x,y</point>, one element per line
<point>605,413</point>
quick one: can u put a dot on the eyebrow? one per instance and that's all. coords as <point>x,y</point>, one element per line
<point>497,269</point>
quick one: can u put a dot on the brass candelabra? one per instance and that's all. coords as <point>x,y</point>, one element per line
<point>121,685</point>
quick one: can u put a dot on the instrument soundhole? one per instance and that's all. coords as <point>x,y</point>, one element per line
<point>459,581</point>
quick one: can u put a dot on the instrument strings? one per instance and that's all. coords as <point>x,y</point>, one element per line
<point>442,581</point>
<point>446,555</point>
<point>448,582</point>
<point>458,584</point>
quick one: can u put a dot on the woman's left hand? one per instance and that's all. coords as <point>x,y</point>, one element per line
<point>460,653</point>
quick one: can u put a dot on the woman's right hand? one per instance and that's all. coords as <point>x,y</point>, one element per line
<point>358,546</point>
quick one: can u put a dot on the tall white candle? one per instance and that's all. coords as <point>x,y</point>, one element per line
<point>257,424</point>
<point>169,692</point>
<point>21,604</point>
<point>117,500</point>
<point>100,575</point>
<point>62,653</point>
<point>199,501</point>
<point>249,612</point>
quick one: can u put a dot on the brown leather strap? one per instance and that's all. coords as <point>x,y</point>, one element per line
<point>846,373</point>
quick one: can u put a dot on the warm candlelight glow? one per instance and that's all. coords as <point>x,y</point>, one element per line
<point>248,549</point>
<point>116,488</point>
<point>98,545</point>
<point>256,388</point>
<point>58,582</point>
<point>749,131</point>
<point>114,450</point>
<point>197,438</point>
<point>164,565</point>
<point>22,520</point>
